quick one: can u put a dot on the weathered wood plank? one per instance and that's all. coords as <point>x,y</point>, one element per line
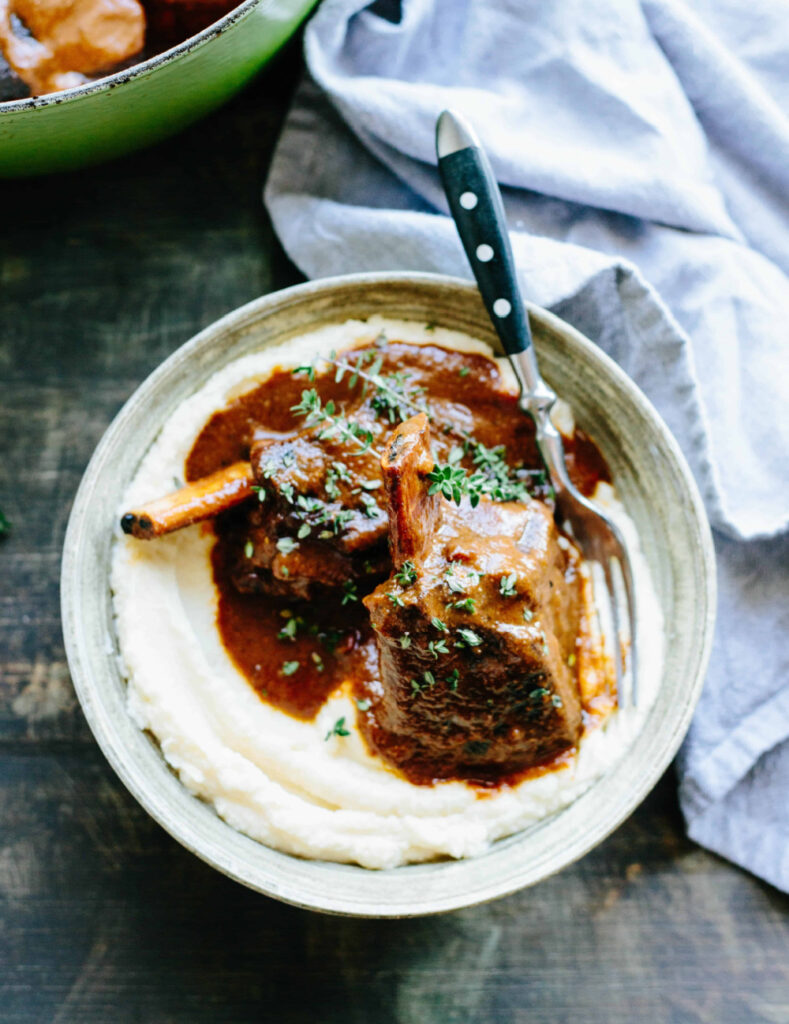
<point>107,918</point>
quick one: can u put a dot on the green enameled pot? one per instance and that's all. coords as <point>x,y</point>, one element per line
<point>149,101</point>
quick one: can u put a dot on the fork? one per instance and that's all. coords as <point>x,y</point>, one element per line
<point>478,211</point>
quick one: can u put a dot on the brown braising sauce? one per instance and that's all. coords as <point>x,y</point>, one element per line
<point>296,653</point>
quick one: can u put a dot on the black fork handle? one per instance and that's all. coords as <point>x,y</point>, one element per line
<point>478,211</point>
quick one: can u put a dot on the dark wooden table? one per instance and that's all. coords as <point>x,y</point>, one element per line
<point>104,917</point>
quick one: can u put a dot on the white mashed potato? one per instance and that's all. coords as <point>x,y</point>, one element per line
<point>277,778</point>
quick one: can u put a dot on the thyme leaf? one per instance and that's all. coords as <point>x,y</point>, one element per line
<point>468,638</point>
<point>437,647</point>
<point>338,729</point>
<point>507,585</point>
<point>407,574</point>
<point>316,413</point>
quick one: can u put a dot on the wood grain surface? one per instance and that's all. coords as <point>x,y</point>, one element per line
<point>104,917</point>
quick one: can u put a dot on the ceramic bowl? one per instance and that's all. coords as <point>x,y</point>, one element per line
<point>652,479</point>
<point>149,101</point>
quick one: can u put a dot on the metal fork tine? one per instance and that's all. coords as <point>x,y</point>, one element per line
<point>617,631</point>
<point>632,658</point>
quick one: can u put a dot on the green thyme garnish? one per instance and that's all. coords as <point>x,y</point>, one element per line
<point>492,477</point>
<point>391,396</point>
<point>337,471</point>
<point>507,585</point>
<point>288,631</point>
<point>289,667</point>
<point>468,638</point>
<point>318,414</point>
<point>312,506</point>
<point>338,522</point>
<point>338,729</point>
<point>364,705</point>
<point>538,694</point>
<point>456,585</point>
<point>371,509</point>
<point>429,681</point>
<point>249,549</point>
<point>452,679</point>
<point>407,574</point>
<point>356,371</point>
<point>500,483</point>
<point>330,485</point>
<point>396,600</point>
<point>556,700</point>
<point>466,605</point>
<point>304,531</point>
<point>405,641</point>
<point>286,545</point>
<point>450,479</point>
<point>438,624</point>
<point>394,399</point>
<point>260,491</point>
<point>464,371</point>
<point>437,647</point>
<point>349,592</point>
<point>317,661</point>
<point>528,614</point>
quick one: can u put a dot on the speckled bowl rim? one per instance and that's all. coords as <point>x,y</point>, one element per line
<point>146,67</point>
<point>338,888</point>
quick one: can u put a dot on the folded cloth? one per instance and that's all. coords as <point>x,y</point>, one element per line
<point>643,151</point>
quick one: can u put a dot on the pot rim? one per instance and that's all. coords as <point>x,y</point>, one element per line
<point>144,68</point>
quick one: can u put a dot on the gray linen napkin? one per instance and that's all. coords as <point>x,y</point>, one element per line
<point>643,149</point>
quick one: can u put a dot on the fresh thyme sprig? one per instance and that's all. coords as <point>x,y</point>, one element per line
<point>406,574</point>
<point>338,729</point>
<point>507,585</point>
<point>390,397</point>
<point>493,476</point>
<point>317,413</point>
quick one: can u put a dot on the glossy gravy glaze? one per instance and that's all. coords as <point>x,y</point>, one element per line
<point>296,653</point>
